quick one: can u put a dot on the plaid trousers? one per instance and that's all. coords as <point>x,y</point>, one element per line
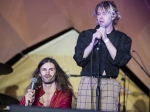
<point>109,92</point>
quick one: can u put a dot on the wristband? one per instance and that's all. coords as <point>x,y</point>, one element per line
<point>107,40</point>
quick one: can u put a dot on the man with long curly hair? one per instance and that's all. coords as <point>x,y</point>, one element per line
<point>52,89</point>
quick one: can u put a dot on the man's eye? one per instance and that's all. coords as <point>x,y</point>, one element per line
<point>52,69</point>
<point>43,69</point>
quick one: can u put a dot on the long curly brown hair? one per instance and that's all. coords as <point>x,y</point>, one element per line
<point>61,79</point>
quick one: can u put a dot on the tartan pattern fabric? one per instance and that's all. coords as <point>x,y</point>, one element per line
<point>109,92</point>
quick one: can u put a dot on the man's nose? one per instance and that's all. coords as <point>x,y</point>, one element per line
<point>101,16</point>
<point>47,72</point>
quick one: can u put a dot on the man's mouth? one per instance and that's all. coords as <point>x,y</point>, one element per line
<point>101,22</point>
<point>48,76</point>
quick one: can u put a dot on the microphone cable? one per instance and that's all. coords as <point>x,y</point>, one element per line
<point>91,78</point>
<point>140,60</point>
<point>145,70</point>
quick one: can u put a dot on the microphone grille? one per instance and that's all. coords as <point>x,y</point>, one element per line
<point>34,80</point>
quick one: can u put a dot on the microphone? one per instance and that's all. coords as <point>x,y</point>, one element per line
<point>33,82</point>
<point>101,35</point>
<point>122,79</point>
<point>132,50</point>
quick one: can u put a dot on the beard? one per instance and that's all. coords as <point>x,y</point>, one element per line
<point>50,81</point>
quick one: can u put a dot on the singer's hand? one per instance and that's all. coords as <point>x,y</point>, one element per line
<point>29,97</point>
<point>97,35</point>
<point>102,31</point>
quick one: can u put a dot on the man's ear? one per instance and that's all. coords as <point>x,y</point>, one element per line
<point>113,17</point>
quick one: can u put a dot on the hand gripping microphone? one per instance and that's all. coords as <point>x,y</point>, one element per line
<point>33,82</point>
<point>101,35</point>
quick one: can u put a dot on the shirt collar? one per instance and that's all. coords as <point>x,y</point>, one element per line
<point>42,90</point>
<point>97,26</point>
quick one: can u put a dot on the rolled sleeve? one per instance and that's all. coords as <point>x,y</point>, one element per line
<point>123,52</point>
<point>79,50</point>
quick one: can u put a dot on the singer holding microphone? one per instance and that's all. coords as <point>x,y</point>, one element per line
<point>101,52</point>
<point>50,87</point>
